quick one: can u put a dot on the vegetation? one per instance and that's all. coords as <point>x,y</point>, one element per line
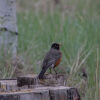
<point>74,24</point>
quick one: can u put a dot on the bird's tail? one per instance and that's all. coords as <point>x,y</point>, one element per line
<point>41,74</point>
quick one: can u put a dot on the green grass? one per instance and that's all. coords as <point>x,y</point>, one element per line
<point>37,32</point>
<point>79,36</point>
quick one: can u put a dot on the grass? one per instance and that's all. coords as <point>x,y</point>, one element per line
<point>79,36</point>
<point>79,33</point>
<point>39,31</point>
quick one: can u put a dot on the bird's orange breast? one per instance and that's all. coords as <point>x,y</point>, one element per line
<point>58,62</point>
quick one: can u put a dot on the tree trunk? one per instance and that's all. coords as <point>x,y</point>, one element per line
<point>8,29</point>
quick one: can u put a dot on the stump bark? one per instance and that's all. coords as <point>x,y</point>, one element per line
<point>42,93</point>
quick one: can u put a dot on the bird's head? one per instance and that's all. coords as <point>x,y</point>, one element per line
<point>55,46</point>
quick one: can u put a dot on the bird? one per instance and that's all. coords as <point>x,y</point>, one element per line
<point>51,60</point>
<point>84,73</point>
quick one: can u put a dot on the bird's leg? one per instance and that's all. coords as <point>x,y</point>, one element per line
<point>55,71</point>
<point>50,70</point>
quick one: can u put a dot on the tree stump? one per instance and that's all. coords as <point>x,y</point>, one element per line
<point>50,80</point>
<point>31,88</point>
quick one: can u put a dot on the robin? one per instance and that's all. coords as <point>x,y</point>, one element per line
<point>51,60</point>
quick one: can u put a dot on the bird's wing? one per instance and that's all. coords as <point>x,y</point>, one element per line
<point>51,58</point>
